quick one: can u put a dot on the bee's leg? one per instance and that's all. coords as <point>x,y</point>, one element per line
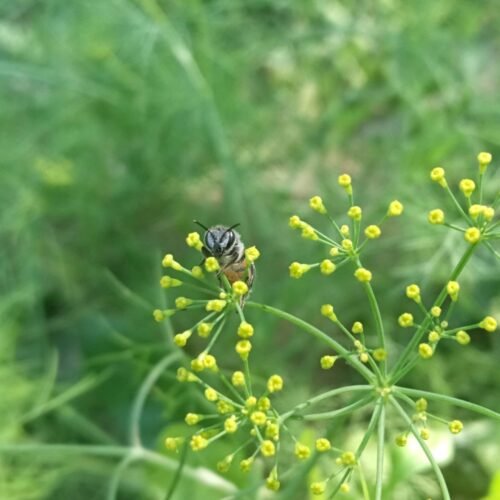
<point>206,253</point>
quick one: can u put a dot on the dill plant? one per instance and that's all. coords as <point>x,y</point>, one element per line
<point>246,409</point>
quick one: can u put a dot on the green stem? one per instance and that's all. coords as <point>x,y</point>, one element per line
<point>371,427</point>
<point>316,332</point>
<point>435,467</point>
<point>325,395</point>
<point>142,394</point>
<point>448,399</point>
<point>395,374</point>
<point>379,481</point>
<point>328,415</point>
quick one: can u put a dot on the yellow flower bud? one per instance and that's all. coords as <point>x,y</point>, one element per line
<point>334,251</point>
<point>328,311</point>
<point>327,267</point>
<point>215,305</point>
<point>401,440</point>
<point>413,292</point>
<point>327,362</point>
<point>263,403</point>
<point>192,418</point>
<point>318,488</point>
<point>489,324</point>
<point>488,213</point>
<point>308,232</point>
<point>240,288</point>
<point>379,354</point>
<point>405,320</point>
<point>258,418</point>
<point>297,270</point>
<point>267,448</point>
<point>438,175</point>
<point>168,261</point>
<point>316,203</point>
<point>372,232</point>
<point>347,245</point>
<point>274,383</point>
<point>348,458</point>
<point>198,442</point>
<point>484,160</point>
<point>193,240</point>
<point>421,405</point>
<point>345,181</point>
<point>452,288</point>
<point>472,235</point>
<point>357,327</point>
<point>245,330</point>
<point>425,351</point>
<point>211,264</point>
<point>355,213</point>
<point>158,315</point>
<point>436,216</point>
<point>344,230</point>
<point>243,348</point>
<point>467,186</point>
<point>294,222</point>
<point>433,336</point>
<point>395,209</point>
<point>204,329</point>
<point>462,337</point>
<point>455,426</point>
<point>181,339</point>
<point>436,311</point>
<point>425,434</point>
<point>238,379</point>
<point>302,451</point>
<point>363,275</point>
<point>323,444</point>
<point>252,254</point>
<point>197,272</point>
<point>272,430</point>
<point>476,210</point>
<point>182,302</point>
<point>246,464</point>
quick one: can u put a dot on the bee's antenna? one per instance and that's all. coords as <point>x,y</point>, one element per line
<point>229,229</point>
<point>201,225</point>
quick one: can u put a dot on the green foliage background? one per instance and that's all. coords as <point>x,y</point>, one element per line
<point>124,120</point>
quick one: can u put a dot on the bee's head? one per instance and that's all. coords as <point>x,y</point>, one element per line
<point>219,240</point>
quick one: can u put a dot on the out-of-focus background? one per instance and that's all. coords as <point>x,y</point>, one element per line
<point>124,120</point>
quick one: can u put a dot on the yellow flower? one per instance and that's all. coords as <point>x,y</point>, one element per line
<point>357,327</point>
<point>421,405</point>
<point>355,213</point>
<point>211,264</point>
<point>472,235</point>
<point>401,440</point>
<point>308,232</point>
<point>347,245</point>
<point>405,320</point>
<point>182,302</point>
<point>344,180</point>
<point>462,337</point>
<point>344,230</point>
<point>210,362</point>
<point>263,403</point>
<point>327,362</point>
<point>168,261</point>
<point>224,407</point>
<point>318,488</point>
<point>252,254</point>
<point>238,379</point>
<point>243,348</point>
<point>181,339</point>
<point>334,251</point>
<point>327,267</point>
<point>436,311</point>
<point>323,444</point>
<point>267,448</point>
<point>240,288</point>
<point>413,292</point>
<point>488,213</point>
<point>197,272</point>
<point>395,209</point>
<point>363,357</point>
<point>372,232</point>
<point>246,464</point>
<point>425,434</point>
<point>297,270</point>
<point>194,240</point>
<point>379,354</point>
<point>363,275</point>
<point>211,394</point>
<point>316,203</point>
<point>489,324</point>
<point>476,210</point>
<point>172,444</point>
<point>272,484</point>
<point>225,464</point>
<point>168,282</point>
<point>198,442</point>
<point>258,418</point>
<point>192,418</point>
<point>436,216</point>
<point>327,310</point>
<point>274,383</point>
<point>345,488</point>
<point>425,351</point>
<point>302,451</point>
<point>348,458</point>
<point>484,160</point>
<point>433,336</point>
<point>455,426</point>
<point>452,288</point>
<point>245,330</point>
<point>204,329</point>
<point>158,315</point>
<point>438,175</point>
<point>294,222</point>
<point>215,305</point>
<point>467,186</point>
<point>272,430</point>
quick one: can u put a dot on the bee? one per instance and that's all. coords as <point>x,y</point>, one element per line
<point>225,244</point>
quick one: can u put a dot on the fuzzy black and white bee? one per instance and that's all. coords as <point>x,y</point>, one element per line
<point>224,243</point>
